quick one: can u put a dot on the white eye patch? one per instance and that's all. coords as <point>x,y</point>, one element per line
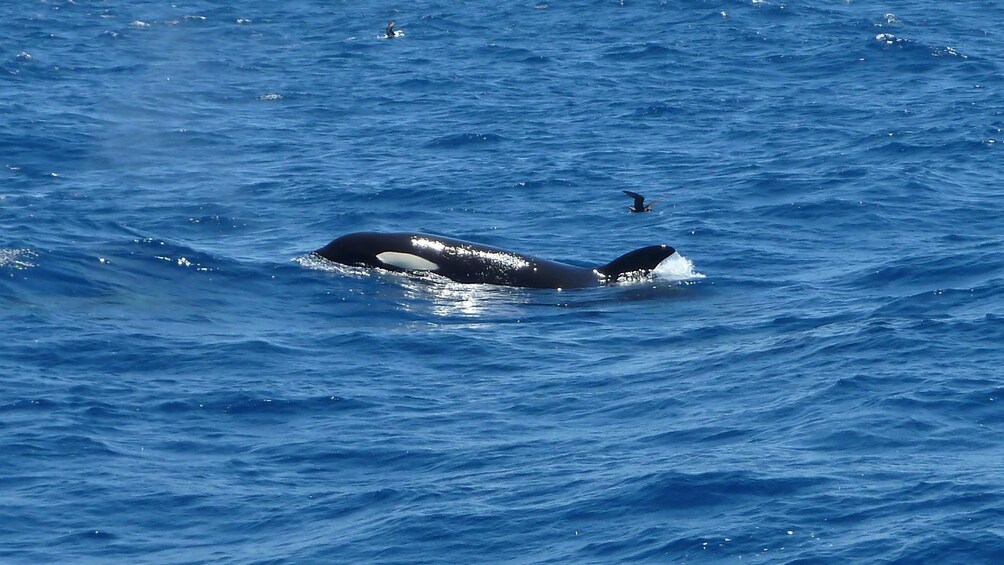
<point>406,261</point>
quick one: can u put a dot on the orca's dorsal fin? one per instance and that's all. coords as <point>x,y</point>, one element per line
<point>639,260</point>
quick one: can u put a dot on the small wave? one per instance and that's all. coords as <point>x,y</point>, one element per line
<point>887,41</point>
<point>179,255</point>
<point>270,97</point>
<point>947,51</point>
<point>417,83</point>
<point>516,54</point>
<point>544,183</point>
<point>244,404</point>
<point>87,536</point>
<point>658,110</point>
<point>33,404</point>
<point>697,490</point>
<point>924,272</point>
<point>218,224</point>
<point>636,52</point>
<point>465,140</point>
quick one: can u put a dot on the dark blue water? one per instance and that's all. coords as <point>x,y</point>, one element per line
<point>817,377</point>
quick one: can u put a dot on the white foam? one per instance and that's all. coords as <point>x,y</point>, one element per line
<point>886,38</point>
<point>676,267</point>
<point>316,262</point>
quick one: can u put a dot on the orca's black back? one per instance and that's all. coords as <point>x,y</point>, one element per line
<point>458,260</point>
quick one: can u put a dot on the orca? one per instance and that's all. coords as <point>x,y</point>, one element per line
<point>467,262</point>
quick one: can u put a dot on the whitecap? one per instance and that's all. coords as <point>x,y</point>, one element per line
<point>270,97</point>
<point>948,52</point>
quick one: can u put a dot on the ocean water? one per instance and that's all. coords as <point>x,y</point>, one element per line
<point>815,377</point>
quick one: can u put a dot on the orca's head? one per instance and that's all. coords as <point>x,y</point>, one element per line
<point>354,249</point>
<point>392,251</point>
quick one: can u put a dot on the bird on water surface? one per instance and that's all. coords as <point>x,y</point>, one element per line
<point>639,202</point>
<point>391,32</point>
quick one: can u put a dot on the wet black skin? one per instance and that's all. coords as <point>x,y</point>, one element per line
<point>467,262</point>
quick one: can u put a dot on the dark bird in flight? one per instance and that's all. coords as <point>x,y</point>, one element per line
<point>639,202</point>
<point>390,29</point>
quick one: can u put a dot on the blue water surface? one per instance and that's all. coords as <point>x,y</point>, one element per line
<point>816,377</point>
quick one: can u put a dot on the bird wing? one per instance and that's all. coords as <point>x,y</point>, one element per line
<point>639,200</point>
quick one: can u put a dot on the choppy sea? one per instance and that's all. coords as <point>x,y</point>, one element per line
<point>816,377</point>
